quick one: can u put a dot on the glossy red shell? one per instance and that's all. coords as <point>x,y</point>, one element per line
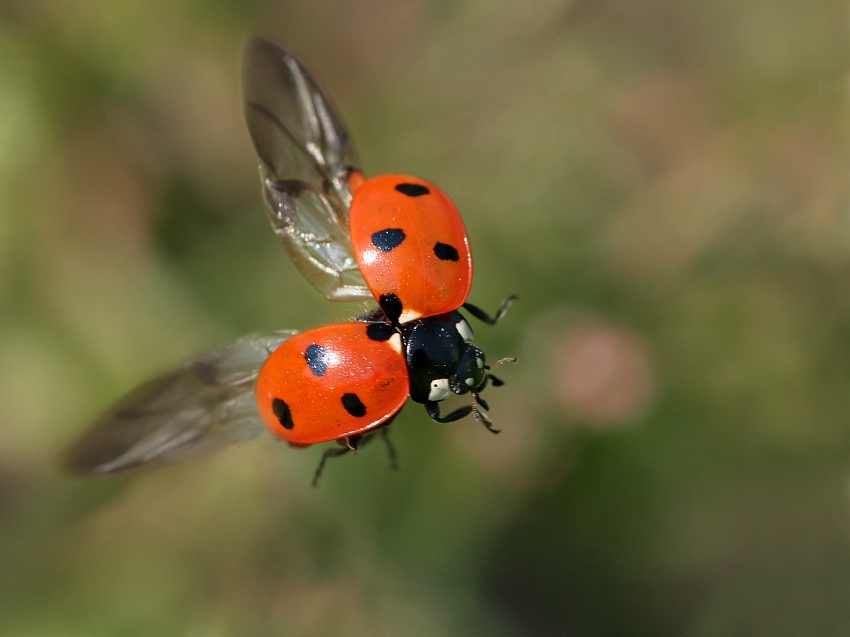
<point>409,240</point>
<point>331,382</point>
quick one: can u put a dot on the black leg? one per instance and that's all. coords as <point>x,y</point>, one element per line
<point>433,410</point>
<point>333,452</point>
<point>392,460</point>
<point>482,316</point>
<point>352,444</point>
<point>480,416</point>
<point>495,380</point>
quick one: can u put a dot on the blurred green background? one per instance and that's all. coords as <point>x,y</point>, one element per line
<point>664,184</point>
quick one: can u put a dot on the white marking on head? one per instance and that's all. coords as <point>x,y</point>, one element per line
<point>439,390</point>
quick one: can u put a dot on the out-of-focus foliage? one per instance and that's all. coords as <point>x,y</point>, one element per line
<point>662,182</point>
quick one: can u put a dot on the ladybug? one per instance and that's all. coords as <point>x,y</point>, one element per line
<point>396,239</point>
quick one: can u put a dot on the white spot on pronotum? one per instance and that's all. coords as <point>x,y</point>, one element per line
<point>465,331</point>
<point>409,315</point>
<point>479,362</point>
<point>395,342</point>
<point>469,381</point>
<point>439,390</point>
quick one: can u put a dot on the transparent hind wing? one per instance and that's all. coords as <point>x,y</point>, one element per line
<point>204,404</point>
<point>296,130</point>
<point>316,239</point>
<point>306,157</point>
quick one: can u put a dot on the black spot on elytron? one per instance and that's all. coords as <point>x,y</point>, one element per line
<point>353,405</point>
<point>315,357</point>
<point>412,190</point>
<point>283,413</point>
<point>391,305</point>
<point>389,239</point>
<point>379,332</point>
<point>445,252</point>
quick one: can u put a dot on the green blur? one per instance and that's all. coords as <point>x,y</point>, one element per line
<point>662,183</point>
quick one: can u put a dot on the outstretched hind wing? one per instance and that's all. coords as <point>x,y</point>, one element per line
<point>205,403</point>
<point>306,158</point>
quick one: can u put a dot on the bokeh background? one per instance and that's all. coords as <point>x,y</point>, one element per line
<point>662,181</point>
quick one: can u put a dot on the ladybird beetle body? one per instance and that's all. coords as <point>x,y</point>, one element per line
<point>411,246</point>
<point>333,382</point>
<point>344,380</point>
<point>395,238</point>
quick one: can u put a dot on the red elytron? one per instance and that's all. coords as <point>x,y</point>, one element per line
<point>333,382</point>
<point>411,246</point>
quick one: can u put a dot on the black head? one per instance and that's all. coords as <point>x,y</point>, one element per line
<point>442,361</point>
<point>436,348</point>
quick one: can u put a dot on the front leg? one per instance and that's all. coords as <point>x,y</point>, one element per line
<point>482,316</point>
<point>433,410</point>
<point>333,452</point>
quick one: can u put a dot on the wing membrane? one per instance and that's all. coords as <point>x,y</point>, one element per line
<point>205,403</point>
<point>306,157</point>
